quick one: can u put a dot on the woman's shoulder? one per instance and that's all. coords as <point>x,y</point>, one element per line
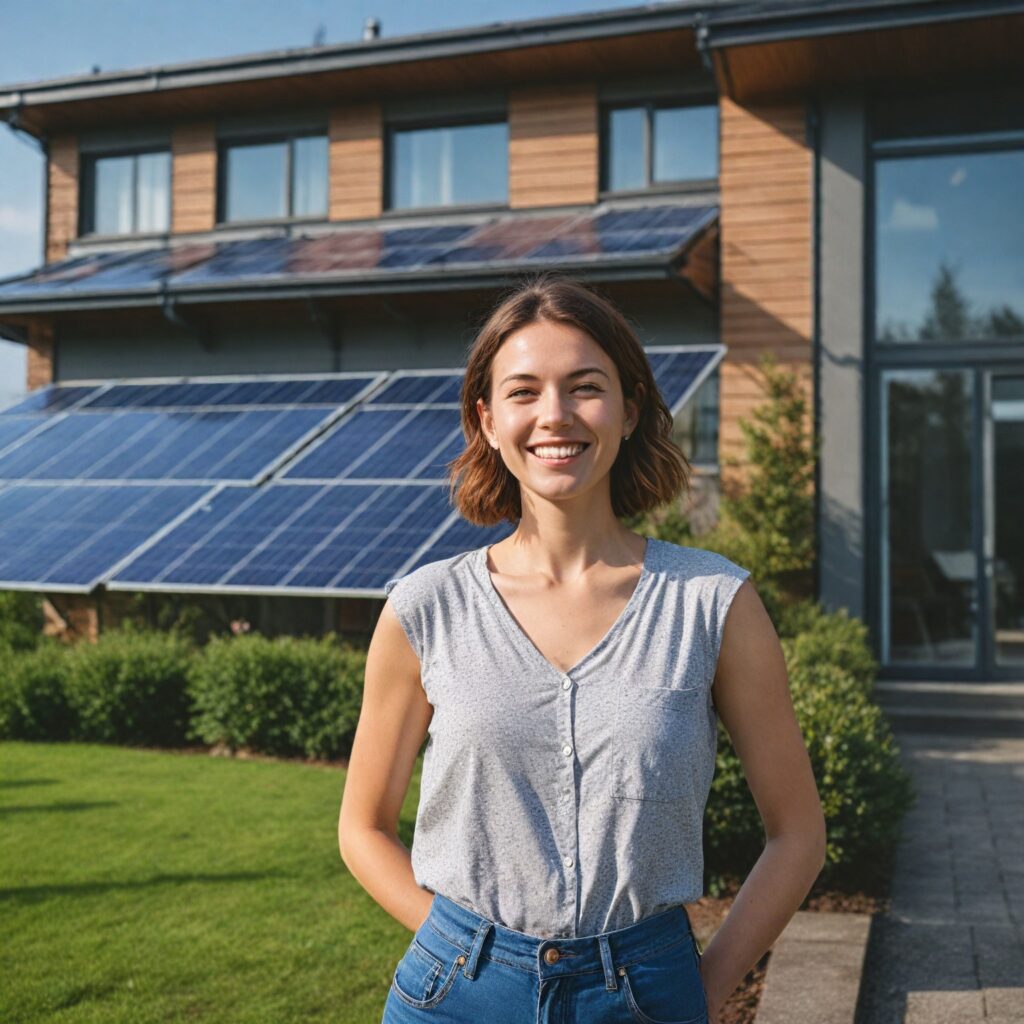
<point>428,578</point>
<point>686,563</point>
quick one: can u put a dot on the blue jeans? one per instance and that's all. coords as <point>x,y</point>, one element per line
<point>463,969</point>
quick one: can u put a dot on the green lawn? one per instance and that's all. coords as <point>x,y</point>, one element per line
<point>142,886</point>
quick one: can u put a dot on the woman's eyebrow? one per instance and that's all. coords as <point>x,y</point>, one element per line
<point>575,373</point>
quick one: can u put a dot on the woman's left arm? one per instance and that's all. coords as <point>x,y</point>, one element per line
<point>751,695</point>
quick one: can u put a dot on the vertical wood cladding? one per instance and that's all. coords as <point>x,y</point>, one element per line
<point>356,140</point>
<point>553,149</point>
<point>765,177</point>
<point>194,178</point>
<point>39,364</point>
<point>62,200</point>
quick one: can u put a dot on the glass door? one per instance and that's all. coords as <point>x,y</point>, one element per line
<point>1004,548</point>
<point>929,570</point>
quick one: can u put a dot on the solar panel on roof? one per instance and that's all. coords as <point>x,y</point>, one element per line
<point>51,399</point>
<point>419,388</point>
<point>602,235</point>
<point>680,370</point>
<point>69,537</point>
<point>292,537</point>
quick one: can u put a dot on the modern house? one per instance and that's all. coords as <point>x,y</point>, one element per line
<point>836,182</point>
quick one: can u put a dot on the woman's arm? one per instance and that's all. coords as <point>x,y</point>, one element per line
<point>751,695</point>
<point>392,725</point>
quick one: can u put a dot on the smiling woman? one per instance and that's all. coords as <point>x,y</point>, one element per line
<point>569,678</point>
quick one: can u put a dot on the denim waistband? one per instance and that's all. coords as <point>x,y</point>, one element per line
<point>476,936</point>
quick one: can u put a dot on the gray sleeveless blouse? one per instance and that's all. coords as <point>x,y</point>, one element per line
<point>565,804</point>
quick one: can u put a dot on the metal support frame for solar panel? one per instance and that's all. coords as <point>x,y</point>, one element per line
<point>331,410</point>
<point>716,352</point>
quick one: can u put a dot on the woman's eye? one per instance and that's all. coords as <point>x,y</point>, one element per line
<point>526,391</point>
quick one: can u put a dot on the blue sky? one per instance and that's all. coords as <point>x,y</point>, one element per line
<point>50,38</point>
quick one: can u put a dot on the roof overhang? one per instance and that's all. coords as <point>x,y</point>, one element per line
<point>634,39</point>
<point>776,49</point>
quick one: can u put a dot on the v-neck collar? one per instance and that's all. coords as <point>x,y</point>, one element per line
<point>523,641</point>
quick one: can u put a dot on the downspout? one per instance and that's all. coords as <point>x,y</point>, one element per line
<point>814,140</point>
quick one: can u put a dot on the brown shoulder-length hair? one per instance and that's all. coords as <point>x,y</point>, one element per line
<point>649,470</point>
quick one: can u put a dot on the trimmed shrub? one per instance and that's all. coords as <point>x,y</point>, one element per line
<point>33,694</point>
<point>21,620</point>
<point>864,790</point>
<point>285,697</point>
<point>131,687</point>
<point>827,638</point>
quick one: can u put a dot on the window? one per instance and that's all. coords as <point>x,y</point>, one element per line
<point>126,193</point>
<point>949,254</point>
<point>659,144</point>
<point>273,178</point>
<point>448,165</point>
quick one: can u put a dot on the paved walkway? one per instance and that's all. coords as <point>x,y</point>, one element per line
<point>951,949</point>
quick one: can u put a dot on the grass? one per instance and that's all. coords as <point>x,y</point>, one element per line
<point>142,886</point>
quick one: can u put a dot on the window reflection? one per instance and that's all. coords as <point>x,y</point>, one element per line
<point>450,165</point>
<point>949,252</point>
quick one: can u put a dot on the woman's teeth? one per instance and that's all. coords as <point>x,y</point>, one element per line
<point>563,452</point>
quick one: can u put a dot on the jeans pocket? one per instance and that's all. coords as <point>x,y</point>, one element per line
<point>665,987</point>
<point>422,979</point>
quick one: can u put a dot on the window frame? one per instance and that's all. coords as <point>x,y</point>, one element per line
<point>649,106</point>
<point>87,190</point>
<point>264,138</point>
<point>470,118</point>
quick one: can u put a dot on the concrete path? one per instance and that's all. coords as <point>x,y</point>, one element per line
<point>951,949</point>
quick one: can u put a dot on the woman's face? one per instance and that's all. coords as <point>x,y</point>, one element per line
<point>553,385</point>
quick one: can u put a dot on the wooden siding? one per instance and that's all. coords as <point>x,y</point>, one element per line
<point>39,370</point>
<point>553,146</point>
<point>62,198</point>
<point>194,178</point>
<point>766,257</point>
<point>356,162</point>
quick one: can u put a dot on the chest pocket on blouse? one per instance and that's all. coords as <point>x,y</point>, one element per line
<point>659,743</point>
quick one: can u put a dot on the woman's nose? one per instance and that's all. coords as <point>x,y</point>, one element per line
<point>555,409</point>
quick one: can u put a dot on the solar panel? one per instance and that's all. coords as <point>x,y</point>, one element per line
<point>14,429</point>
<point>52,399</point>
<point>333,538</point>
<point>383,444</point>
<point>605,234</point>
<point>69,537</point>
<point>680,370</point>
<point>411,388</point>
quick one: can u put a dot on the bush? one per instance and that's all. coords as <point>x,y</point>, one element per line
<point>131,687</point>
<point>864,790</point>
<point>21,620</point>
<point>33,694</point>
<point>812,636</point>
<point>285,697</point>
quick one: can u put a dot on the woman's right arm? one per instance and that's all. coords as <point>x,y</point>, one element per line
<point>392,726</point>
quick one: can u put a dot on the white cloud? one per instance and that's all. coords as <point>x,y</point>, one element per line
<point>19,221</point>
<point>906,216</point>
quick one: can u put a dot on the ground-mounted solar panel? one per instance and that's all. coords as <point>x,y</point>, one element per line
<point>69,537</point>
<point>51,399</point>
<point>340,539</point>
<point>681,369</point>
<point>210,431</point>
<point>383,444</point>
<point>420,387</point>
<point>456,536</point>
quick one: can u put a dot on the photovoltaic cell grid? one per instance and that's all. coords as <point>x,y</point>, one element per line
<point>332,538</point>
<point>71,537</point>
<point>177,431</point>
<point>605,234</point>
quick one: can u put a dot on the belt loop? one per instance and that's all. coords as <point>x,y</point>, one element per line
<point>609,968</point>
<point>474,953</point>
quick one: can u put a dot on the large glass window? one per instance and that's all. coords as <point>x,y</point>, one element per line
<point>448,165</point>
<point>270,179</point>
<point>127,193</point>
<point>647,145</point>
<point>949,250</point>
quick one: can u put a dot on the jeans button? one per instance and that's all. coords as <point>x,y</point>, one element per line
<point>551,955</point>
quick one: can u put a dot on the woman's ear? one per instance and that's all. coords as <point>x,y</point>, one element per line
<point>486,422</point>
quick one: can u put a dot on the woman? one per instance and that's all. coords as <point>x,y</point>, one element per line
<point>569,678</point>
